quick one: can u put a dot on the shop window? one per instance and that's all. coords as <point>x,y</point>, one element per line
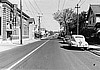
<point>9,25</point>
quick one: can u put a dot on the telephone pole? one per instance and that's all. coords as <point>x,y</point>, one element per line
<point>39,19</point>
<point>21,22</point>
<point>77,19</point>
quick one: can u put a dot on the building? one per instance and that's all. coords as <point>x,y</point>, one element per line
<point>93,17</point>
<point>10,21</point>
<point>31,22</point>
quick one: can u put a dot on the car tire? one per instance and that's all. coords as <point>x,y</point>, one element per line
<point>85,48</point>
<point>70,45</point>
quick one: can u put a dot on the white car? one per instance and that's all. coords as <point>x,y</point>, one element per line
<point>78,41</point>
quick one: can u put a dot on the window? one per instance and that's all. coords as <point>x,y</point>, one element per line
<point>73,39</point>
<point>78,37</point>
<point>90,21</point>
<point>91,12</point>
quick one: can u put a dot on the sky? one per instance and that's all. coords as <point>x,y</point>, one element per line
<point>48,7</point>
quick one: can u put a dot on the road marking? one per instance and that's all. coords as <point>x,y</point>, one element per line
<point>26,56</point>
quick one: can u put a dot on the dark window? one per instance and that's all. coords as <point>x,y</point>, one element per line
<point>91,12</point>
<point>78,37</point>
<point>10,26</point>
<point>73,39</point>
<point>90,21</point>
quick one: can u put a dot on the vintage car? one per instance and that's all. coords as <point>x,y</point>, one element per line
<point>77,41</point>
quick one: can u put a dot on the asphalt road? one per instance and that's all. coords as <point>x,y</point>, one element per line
<point>50,56</point>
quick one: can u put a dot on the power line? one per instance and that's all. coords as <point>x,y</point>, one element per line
<point>33,6</point>
<point>83,2</point>
<point>41,11</point>
<point>63,4</point>
<point>79,2</point>
<point>58,4</point>
<point>45,21</point>
<point>29,9</point>
<point>38,7</point>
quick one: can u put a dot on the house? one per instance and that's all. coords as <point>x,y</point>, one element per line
<point>93,17</point>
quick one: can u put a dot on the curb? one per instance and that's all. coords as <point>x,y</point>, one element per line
<point>95,52</point>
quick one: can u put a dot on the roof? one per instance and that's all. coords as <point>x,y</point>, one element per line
<point>31,20</point>
<point>23,13</point>
<point>77,36</point>
<point>95,8</point>
<point>11,5</point>
<point>6,1</point>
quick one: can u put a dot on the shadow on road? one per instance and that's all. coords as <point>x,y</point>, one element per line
<point>72,48</point>
<point>45,39</point>
<point>64,45</point>
<point>62,42</point>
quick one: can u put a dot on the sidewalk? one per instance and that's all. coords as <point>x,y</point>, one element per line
<point>95,49</point>
<point>7,45</point>
<point>94,46</point>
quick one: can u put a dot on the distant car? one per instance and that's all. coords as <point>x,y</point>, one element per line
<point>78,41</point>
<point>59,37</point>
<point>66,38</point>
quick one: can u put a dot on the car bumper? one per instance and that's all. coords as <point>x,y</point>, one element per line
<point>74,45</point>
<point>83,46</point>
<point>77,45</point>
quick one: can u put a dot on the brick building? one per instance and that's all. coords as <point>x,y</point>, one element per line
<point>10,20</point>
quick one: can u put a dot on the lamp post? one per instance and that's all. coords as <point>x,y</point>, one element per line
<point>21,22</point>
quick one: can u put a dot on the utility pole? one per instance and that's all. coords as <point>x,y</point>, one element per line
<point>21,22</point>
<point>39,24</point>
<point>77,19</point>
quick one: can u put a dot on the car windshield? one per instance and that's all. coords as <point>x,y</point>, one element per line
<point>78,37</point>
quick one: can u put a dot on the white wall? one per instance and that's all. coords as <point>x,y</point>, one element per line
<point>97,19</point>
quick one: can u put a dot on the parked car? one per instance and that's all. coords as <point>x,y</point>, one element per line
<point>78,41</point>
<point>66,38</point>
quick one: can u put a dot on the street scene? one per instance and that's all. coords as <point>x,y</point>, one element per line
<point>49,35</point>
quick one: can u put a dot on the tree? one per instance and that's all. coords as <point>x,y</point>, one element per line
<point>82,20</point>
<point>82,26</point>
<point>66,18</point>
